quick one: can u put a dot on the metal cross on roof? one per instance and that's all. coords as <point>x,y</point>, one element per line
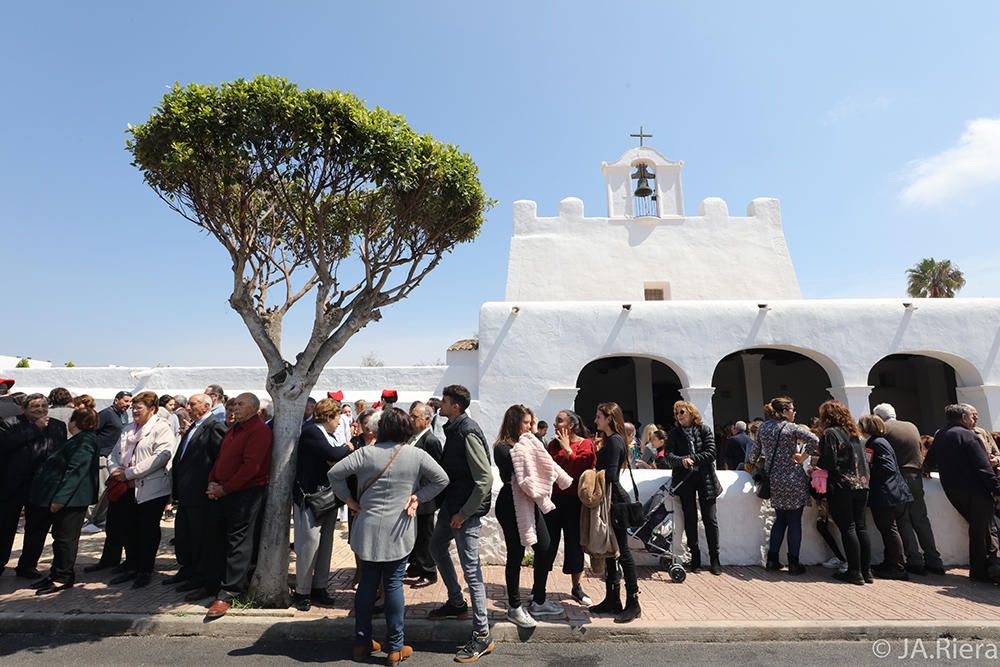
<point>641,136</point>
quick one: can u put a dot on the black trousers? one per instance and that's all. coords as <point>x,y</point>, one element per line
<point>507,519</point>
<point>421,563</point>
<point>625,560</point>
<point>709,517</point>
<point>236,521</point>
<point>564,520</point>
<point>977,509</point>
<point>114,535</point>
<point>885,521</point>
<point>37,521</point>
<point>10,515</point>
<point>141,530</point>
<point>847,508</point>
<point>191,538</point>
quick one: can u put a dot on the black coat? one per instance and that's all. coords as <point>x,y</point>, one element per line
<point>23,449</point>
<point>886,486</point>
<point>430,444</point>
<point>316,456</point>
<point>702,451</point>
<point>190,471</point>
<point>958,455</point>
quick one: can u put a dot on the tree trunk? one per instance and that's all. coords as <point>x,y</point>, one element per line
<point>269,586</point>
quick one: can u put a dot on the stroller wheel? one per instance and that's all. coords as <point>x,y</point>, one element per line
<point>678,574</point>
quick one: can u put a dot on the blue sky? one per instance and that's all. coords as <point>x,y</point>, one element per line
<point>876,124</point>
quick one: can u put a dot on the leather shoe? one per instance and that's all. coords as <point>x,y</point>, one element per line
<point>365,650</point>
<point>190,585</point>
<point>122,578</point>
<point>178,578</point>
<point>916,569</point>
<point>120,568</point>
<point>321,597</point>
<point>33,573</point>
<point>396,657</point>
<point>199,594</point>
<point>53,587</point>
<point>141,580</point>
<point>98,566</point>
<point>218,609</point>
<point>41,583</point>
<point>302,602</point>
<point>939,570</point>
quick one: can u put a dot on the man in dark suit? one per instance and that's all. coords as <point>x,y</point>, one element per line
<point>193,461</point>
<point>23,449</point>
<point>738,446</point>
<point>421,565</point>
<point>971,485</point>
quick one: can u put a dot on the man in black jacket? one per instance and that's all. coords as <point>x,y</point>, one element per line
<point>971,485</point>
<point>23,449</point>
<point>421,565</point>
<point>192,463</point>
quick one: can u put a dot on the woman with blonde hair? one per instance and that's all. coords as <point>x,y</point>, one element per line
<point>690,453</point>
<point>611,458</point>
<point>843,456</point>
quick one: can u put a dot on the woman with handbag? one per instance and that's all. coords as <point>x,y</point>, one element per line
<point>611,458</point>
<point>690,453</point>
<point>313,511</point>
<point>142,461</point>
<point>781,447</point>
<point>843,456</point>
<point>393,480</point>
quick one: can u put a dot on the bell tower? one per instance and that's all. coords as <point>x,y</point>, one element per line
<point>643,183</point>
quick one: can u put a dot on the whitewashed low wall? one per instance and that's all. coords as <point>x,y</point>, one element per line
<point>745,521</point>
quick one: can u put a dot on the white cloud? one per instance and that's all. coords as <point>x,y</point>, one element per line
<point>972,164</point>
<point>854,107</point>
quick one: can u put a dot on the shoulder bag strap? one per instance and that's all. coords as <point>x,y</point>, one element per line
<point>774,450</point>
<point>628,463</point>
<point>382,472</point>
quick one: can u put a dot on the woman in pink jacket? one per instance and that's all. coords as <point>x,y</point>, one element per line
<point>515,432</point>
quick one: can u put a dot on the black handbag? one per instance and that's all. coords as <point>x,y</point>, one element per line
<point>763,476</point>
<point>322,501</point>
<point>628,514</point>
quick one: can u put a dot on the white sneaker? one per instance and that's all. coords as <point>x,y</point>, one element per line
<point>833,564</point>
<point>519,617</point>
<point>90,529</point>
<point>547,608</point>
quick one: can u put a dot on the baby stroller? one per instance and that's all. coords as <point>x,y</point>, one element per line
<point>657,531</point>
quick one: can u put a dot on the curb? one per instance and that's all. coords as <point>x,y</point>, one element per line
<point>419,630</point>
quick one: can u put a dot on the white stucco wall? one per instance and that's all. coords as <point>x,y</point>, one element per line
<point>535,355</point>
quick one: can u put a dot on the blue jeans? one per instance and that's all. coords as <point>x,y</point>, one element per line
<point>790,520</point>
<point>391,575</point>
<point>467,545</point>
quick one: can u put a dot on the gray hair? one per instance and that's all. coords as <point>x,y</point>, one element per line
<point>372,423</point>
<point>201,399</point>
<point>254,401</point>
<point>955,412</point>
<point>885,411</point>
<point>180,400</point>
<point>741,426</point>
<point>265,407</point>
<point>630,428</point>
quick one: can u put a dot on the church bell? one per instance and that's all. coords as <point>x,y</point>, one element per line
<point>642,188</point>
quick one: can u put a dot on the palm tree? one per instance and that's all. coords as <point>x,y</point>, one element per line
<point>930,278</point>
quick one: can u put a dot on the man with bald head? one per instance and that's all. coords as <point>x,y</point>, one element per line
<point>236,489</point>
<point>192,463</point>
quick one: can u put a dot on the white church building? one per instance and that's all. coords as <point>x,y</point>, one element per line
<point>669,305</point>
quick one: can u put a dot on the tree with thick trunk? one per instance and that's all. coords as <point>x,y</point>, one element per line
<point>311,193</point>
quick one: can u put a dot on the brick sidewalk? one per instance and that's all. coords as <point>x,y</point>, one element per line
<point>740,594</point>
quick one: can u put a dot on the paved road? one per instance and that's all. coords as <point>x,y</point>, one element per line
<point>174,652</point>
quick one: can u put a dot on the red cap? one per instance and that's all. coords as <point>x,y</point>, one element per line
<point>7,381</point>
<point>336,395</point>
<point>390,395</point>
<point>377,405</point>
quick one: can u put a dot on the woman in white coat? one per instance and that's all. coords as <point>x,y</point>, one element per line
<point>141,461</point>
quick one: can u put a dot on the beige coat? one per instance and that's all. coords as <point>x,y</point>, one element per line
<point>150,469</point>
<point>596,535</point>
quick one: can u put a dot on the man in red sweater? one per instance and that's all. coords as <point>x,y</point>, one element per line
<point>237,486</point>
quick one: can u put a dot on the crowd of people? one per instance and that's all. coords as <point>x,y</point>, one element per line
<point>414,483</point>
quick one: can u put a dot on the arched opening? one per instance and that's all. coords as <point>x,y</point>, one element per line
<point>744,380</point>
<point>918,386</point>
<point>645,389</point>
